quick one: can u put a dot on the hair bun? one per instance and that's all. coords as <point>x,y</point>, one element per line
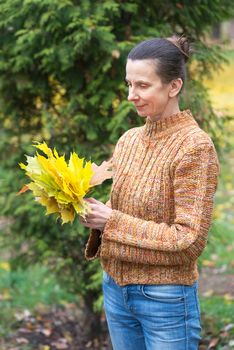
<point>182,43</point>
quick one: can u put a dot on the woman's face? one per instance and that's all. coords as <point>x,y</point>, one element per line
<point>145,88</point>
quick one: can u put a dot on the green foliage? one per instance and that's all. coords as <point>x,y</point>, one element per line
<point>219,251</point>
<point>27,288</point>
<point>62,68</point>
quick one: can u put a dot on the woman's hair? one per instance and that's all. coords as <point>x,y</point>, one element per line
<point>170,55</point>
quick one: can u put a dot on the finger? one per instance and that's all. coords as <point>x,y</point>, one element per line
<point>92,200</point>
<point>89,225</point>
<point>90,216</point>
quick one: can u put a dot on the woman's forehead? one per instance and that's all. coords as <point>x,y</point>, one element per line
<point>141,69</point>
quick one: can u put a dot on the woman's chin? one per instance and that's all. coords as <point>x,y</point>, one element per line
<point>142,115</point>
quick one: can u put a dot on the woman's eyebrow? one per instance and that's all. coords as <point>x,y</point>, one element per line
<point>138,81</point>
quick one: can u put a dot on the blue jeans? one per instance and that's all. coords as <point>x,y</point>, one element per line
<point>152,317</point>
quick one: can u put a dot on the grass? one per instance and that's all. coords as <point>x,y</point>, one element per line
<point>26,290</point>
<point>218,308</point>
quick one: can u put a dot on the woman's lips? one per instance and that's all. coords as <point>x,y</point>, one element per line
<point>140,106</point>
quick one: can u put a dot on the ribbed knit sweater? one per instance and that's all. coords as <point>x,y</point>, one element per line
<point>165,177</point>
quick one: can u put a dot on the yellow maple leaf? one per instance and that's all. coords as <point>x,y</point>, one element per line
<point>61,186</point>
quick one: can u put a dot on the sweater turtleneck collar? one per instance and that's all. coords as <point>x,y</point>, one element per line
<point>168,125</point>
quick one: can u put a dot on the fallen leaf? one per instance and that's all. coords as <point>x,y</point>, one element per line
<point>220,269</point>
<point>96,343</point>
<point>46,332</point>
<point>214,257</point>
<point>68,336</point>
<point>23,189</point>
<point>224,334</point>
<point>228,327</point>
<point>38,317</point>
<point>208,293</point>
<point>30,325</point>
<point>228,297</point>
<point>213,343</point>
<point>22,315</point>
<point>22,341</point>
<point>208,263</point>
<point>89,344</point>
<point>42,309</point>
<point>60,346</point>
<point>24,330</point>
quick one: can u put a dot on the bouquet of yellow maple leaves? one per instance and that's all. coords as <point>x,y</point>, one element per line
<point>61,186</point>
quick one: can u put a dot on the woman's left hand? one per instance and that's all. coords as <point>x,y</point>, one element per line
<point>98,216</point>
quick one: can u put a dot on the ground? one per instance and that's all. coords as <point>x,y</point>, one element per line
<point>214,281</point>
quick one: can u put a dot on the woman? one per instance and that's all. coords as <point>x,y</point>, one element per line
<point>151,232</point>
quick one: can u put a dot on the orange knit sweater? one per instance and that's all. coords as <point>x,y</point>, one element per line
<point>165,177</point>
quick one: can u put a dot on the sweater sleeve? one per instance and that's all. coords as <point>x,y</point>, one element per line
<point>92,249</point>
<point>129,238</point>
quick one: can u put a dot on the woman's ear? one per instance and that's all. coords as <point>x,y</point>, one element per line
<point>175,87</point>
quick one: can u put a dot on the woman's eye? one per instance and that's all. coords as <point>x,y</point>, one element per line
<point>143,86</point>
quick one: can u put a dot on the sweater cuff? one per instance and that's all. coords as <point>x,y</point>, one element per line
<point>110,228</point>
<point>93,246</point>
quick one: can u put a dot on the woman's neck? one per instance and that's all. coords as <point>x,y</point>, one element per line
<point>171,108</point>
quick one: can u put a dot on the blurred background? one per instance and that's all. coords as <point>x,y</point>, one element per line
<point>62,69</point>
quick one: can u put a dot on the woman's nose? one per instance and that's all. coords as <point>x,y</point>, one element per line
<point>132,95</point>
